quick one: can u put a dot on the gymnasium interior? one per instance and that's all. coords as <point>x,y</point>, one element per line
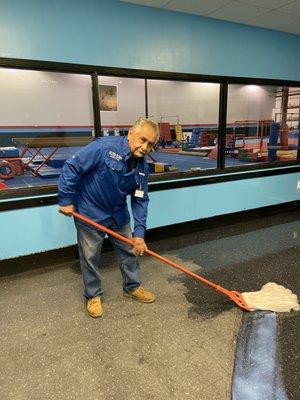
<point>221,80</point>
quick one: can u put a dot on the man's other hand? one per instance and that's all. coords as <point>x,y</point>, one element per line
<point>67,210</point>
<point>139,246</point>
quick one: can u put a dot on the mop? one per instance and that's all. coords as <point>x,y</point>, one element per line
<point>271,297</point>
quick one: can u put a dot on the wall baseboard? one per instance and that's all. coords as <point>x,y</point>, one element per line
<point>57,256</point>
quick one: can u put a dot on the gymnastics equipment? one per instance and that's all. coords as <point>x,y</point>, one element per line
<point>7,170</point>
<point>273,141</point>
<point>10,163</point>
<point>39,146</point>
<point>179,133</point>
<point>164,129</point>
<point>195,138</point>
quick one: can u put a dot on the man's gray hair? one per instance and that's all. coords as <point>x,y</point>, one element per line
<point>145,121</point>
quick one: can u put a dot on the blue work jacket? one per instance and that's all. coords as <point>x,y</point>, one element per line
<point>96,182</point>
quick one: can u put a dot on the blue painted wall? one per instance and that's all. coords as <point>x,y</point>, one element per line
<point>112,33</point>
<point>40,229</point>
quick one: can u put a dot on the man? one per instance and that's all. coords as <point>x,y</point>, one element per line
<point>95,182</point>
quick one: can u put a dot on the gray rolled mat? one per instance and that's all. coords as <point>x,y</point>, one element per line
<point>256,371</point>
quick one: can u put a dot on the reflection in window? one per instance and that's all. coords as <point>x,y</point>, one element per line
<point>262,124</point>
<point>44,118</point>
<point>187,113</point>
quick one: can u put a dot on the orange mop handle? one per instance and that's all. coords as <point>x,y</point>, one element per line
<point>231,294</point>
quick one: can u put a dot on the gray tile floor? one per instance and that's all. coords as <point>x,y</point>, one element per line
<point>180,347</point>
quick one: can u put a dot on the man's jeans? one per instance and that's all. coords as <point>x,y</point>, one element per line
<point>89,245</point>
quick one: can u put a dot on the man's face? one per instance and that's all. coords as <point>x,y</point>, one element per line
<point>141,140</point>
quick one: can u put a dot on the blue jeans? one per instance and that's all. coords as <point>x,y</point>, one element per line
<point>90,242</point>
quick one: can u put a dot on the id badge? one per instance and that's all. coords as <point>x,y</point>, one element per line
<point>139,193</point>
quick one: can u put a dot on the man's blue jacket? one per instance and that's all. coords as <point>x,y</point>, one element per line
<point>96,182</point>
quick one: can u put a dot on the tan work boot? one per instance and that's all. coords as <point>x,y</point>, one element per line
<point>94,307</point>
<point>141,294</point>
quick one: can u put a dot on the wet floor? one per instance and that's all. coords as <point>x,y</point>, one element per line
<point>180,347</point>
<point>243,257</point>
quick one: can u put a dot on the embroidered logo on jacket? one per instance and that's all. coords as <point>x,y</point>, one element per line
<point>114,155</point>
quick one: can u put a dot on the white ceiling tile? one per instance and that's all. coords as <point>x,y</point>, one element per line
<point>292,28</point>
<point>237,12</point>
<point>150,3</point>
<point>273,19</point>
<point>252,12</point>
<point>292,8</point>
<point>270,4</point>
<point>197,7</point>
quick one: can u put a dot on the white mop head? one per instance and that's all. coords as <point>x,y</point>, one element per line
<point>272,297</point>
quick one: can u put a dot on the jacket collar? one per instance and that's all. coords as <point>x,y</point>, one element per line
<point>125,148</point>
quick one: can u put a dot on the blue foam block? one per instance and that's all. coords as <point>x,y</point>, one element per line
<point>33,166</point>
<point>49,172</point>
<point>150,166</point>
<point>57,162</point>
<point>7,152</point>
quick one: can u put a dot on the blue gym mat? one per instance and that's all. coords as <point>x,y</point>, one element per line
<point>185,162</point>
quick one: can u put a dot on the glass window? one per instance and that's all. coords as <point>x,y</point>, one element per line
<point>44,118</point>
<point>262,124</point>
<point>187,114</point>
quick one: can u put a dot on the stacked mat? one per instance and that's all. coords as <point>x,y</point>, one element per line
<point>157,167</point>
<point>53,167</point>
<point>9,152</point>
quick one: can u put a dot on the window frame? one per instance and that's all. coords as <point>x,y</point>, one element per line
<point>45,194</point>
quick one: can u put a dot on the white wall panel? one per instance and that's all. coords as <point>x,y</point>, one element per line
<point>130,100</point>
<point>30,98</point>
<point>193,102</point>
